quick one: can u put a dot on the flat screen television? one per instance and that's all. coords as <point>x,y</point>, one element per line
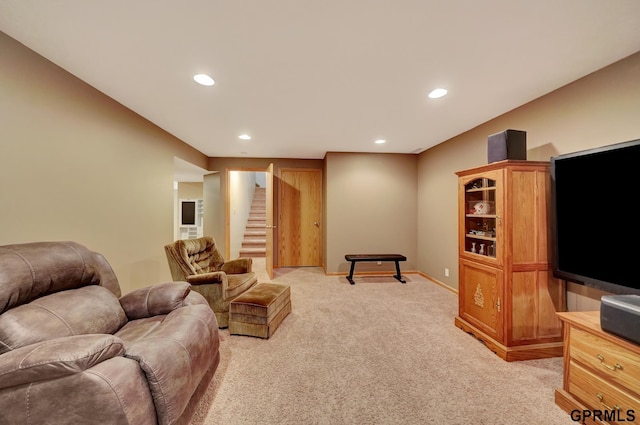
<point>187,213</point>
<point>595,218</point>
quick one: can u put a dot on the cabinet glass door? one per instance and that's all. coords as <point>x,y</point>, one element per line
<point>480,217</point>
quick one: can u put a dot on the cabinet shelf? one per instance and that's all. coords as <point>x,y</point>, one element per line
<point>482,216</point>
<point>484,238</point>
<point>481,189</point>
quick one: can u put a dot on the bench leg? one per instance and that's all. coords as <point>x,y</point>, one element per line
<point>398,275</point>
<point>350,277</point>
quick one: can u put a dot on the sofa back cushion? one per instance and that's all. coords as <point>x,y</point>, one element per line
<point>87,310</point>
<point>32,270</point>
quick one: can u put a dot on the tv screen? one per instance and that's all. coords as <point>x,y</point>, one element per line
<point>594,217</point>
<point>188,213</point>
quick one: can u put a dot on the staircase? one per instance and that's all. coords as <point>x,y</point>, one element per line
<point>254,243</point>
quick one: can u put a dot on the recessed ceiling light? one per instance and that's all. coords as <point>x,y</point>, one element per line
<point>203,79</point>
<point>244,137</point>
<point>437,93</point>
<point>380,142</point>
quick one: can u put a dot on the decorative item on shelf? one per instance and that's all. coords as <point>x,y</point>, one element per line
<point>480,207</point>
<point>473,247</point>
<point>481,252</point>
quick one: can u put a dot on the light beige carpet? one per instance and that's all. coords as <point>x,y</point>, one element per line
<point>377,352</point>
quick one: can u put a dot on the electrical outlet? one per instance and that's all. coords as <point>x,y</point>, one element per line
<point>446,272</point>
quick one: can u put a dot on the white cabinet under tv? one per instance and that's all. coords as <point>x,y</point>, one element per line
<point>190,213</point>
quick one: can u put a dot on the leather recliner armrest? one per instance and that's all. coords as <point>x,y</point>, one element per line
<point>56,358</point>
<point>155,300</point>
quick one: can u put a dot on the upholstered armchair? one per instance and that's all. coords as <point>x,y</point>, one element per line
<point>198,262</point>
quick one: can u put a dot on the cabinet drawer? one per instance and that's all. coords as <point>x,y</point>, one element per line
<point>616,363</point>
<point>597,394</point>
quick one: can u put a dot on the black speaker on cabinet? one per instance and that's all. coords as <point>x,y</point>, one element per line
<point>508,144</point>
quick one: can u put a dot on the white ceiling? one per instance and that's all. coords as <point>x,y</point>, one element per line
<point>306,77</point>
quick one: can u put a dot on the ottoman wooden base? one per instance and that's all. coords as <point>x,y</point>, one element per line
<point>259,311</point>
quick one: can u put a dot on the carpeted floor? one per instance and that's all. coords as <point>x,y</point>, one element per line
<point>377,352</point>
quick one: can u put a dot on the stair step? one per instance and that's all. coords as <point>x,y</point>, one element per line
<point>255,234</point>
<point>254,242</point>
<point>253,252</point>
<point>257,243</point>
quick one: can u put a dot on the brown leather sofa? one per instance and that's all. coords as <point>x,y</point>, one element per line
<point>74,351</point>
<point>199,262</point>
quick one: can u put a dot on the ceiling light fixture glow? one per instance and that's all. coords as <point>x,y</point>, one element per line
<point>380,142</point>
<point>244,137</point>
<point>437,93</point>
<point>203,79</point>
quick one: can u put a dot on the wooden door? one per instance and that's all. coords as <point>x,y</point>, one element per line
<point>300,217</point>
<point>269,222</point>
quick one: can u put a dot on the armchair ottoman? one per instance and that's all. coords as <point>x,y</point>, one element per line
<point>260,311</point>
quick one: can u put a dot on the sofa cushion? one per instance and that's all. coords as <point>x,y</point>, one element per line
<point>175,351</point>
<point>29,271</point>
<point>87,310</point>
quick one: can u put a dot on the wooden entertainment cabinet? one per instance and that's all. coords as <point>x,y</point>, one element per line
<point>601,372</point>
<point>507,295</point>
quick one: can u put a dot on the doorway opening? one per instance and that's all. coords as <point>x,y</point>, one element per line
<point>188,204</point>
<point>247,214</point>
<point>253,180</point>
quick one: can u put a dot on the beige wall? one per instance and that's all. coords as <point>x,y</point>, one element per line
<point>597,110</point>
<point>190,190</point>
<point>371,207</point>
<point>385,183</point>
<point>76,165</point>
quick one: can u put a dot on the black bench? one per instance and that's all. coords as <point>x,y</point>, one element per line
<point>355,258</point>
